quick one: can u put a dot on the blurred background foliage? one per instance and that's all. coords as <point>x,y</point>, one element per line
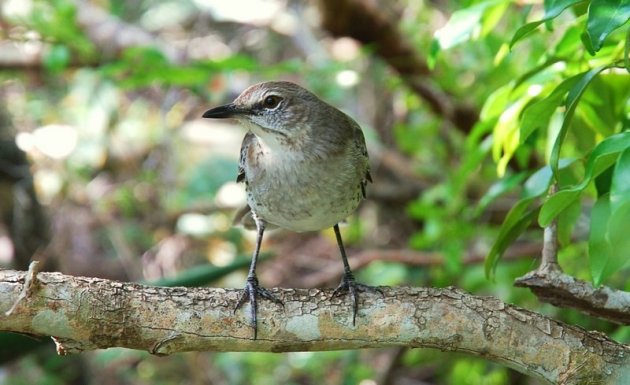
<point>106,169</point>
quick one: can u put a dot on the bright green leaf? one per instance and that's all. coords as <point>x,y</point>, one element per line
<point>506,135</point>
<point>463,24</point>
<point>573,98</point>
<point>604,16</point>
<point>538,114</point>
<point>601,158</point>
<point>557,203</point>
<point>553,8</point>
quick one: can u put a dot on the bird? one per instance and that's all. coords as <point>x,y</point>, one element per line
<point>305,167</point>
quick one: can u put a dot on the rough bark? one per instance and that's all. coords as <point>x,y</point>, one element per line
<point>563,290</point>
<point>89,313</point>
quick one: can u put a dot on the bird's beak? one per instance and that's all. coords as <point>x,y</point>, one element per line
<point>222,112</point>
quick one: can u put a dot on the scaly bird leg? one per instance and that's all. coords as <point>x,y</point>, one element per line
<point>252,290</point>
<point>348,283</point>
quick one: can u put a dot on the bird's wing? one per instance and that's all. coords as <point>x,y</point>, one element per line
<point>247,141</point>
<point>359,142</point>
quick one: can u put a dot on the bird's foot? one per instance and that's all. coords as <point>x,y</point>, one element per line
<point>251,291</point>
<point>349,285</point>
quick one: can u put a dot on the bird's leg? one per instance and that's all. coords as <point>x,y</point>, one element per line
<point>251,287</point>
<point>348,283</point>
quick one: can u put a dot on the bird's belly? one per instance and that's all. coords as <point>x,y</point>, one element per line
<point>299,203</point>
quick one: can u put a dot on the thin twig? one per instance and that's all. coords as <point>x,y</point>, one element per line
<point>30,280</point>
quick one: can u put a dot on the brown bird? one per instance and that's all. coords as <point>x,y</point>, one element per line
<point>305,168</point>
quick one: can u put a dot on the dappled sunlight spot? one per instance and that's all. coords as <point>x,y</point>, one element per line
<point>48,184</point>
<point>347,78</point>
<point>195,224</point>
<point>6,249</point>
<point>243,11</point>
<point>231,194</point>
<point>534,90</point>
<point>221,253</point>
<point>17,8</point>
<point>166,15</point>
<point>345,49</point>
<point>56,140</point>
<point>210,46</point>
<point>25,141</point>
<point>222,222</point>
<point>367,381</point>
<point>285,23</point>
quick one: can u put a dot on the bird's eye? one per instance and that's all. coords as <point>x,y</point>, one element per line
<point>271,101</point>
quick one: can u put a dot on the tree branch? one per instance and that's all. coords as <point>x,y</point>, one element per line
<point>551,285</point>
<point>90,313</point>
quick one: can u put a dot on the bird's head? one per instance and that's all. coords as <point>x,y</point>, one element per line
<point>279,111</point>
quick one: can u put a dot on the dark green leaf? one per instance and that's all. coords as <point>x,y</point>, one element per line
<point>617,234</point>
<point>620,187</point>
<point>567,220</point>
<point>604,16</point>
<point>499,188</point>
<point>203,274</point>
<point>599,250</point>
<point>515,223</point>
<point>603,181</point>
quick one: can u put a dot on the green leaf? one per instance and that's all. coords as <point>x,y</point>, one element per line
<point>556,204</point>
<point>620,187</point>
<point>573,98</point>
<point>567,220</point>
<point>602,157</point>
<point>609,243</point>
<point>604,16</point>
<point>599,250</point>
<point>499,188</point>
<point>515,223</point>
<point>506,135</point>
<point>204,274</point>
<point>617,234</point>
<point>466,24</point>
<point>463,24</point>
<point>537,115</point>
<point>57,58</point>
<point>538,183</point>
<point>553,8</point>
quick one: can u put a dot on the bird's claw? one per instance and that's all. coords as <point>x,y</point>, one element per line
<point>251,291</point>
<point>351,286</point>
